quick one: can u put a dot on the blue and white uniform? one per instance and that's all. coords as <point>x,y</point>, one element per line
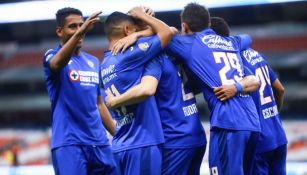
<point>216,61</point>
<point>76,121</point>
<point>271,149</point>
<point>138,126</point>
<point>185,140</point>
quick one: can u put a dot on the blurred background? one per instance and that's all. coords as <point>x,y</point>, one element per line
<point>27,31</point>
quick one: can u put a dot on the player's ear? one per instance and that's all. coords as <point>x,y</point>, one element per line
<point>126,30</point>
<point>129,29</point>
<point>185,28</point>
<point>58,31</point>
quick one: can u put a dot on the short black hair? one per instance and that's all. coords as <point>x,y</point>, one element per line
<point>114,20</point>
<point>195,16</point>
<point>61,14</point>
<point>220,26</point>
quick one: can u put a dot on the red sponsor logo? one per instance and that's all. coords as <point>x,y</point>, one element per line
<point>74,75</point>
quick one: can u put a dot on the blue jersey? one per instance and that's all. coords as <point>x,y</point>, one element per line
<point>73,93</point>
<point>177,105</point>
<point>137,125</point>
<point>216,61</point>
<point>273,134</point>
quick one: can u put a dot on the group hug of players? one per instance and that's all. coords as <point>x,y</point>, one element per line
<point>142,93</point>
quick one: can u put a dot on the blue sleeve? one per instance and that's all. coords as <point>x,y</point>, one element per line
<point>48,57</point>
<point>153,68</point>
<point>246,66</point>
<point>146,48</point>
<point>272,75</point>
<point>244,41</point>
<point>46,62</point>
<point>180,47</point>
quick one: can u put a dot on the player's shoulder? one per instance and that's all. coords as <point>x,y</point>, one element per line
<point>187,38</point>
<point>90,57</point>
<point>138,48</point>
<point>109,59</point>
<point>147,39</point>
<point>50,53</point>
<point>252,56</point>
<point>53,50</point>
<point>241,37</point>
<point>241,41</point>
<point>144,43</point>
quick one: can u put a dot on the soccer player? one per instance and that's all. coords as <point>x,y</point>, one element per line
<point>271,149</point>
<point>79,143</point>
<point>185,140</point>
<point>216,62</point>
<point>183,132</point>
<point>136,143</point>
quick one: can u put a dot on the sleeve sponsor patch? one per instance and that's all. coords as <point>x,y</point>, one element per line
<point>143,46</point>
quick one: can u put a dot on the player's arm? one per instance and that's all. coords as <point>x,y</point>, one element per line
<point>162,30</point>
<point>247,85</point>
<point>146,88</point>
<point>63,56</point>
<point>277,87</point>
<point>279,92</point>
<point>244,41</point>
<point>122,44</point>
<point>143,30</point>
<point>107,120</point>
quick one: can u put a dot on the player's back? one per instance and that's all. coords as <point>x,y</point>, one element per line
<point>216,61</point>
<point>273,135</point>
<point>177,106</point>
<point>73,93</point>
<point>137,125</point>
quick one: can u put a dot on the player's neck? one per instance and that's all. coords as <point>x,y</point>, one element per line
<point>112,42</point>
<point>114,38</point>
<point>77,51</point>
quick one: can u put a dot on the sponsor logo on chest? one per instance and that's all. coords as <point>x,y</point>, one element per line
<point>86,78</point>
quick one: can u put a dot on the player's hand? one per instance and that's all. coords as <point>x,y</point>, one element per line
<point>122,44</point>
<point>149,11</point>
<point>110,99</point>
<point>225,92</point>
<point>88,23</point>
<point>136,12</point>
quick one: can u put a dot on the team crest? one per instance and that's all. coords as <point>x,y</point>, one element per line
<point>91,64</point>
<point>74,75</point>
<point>143,46</point>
